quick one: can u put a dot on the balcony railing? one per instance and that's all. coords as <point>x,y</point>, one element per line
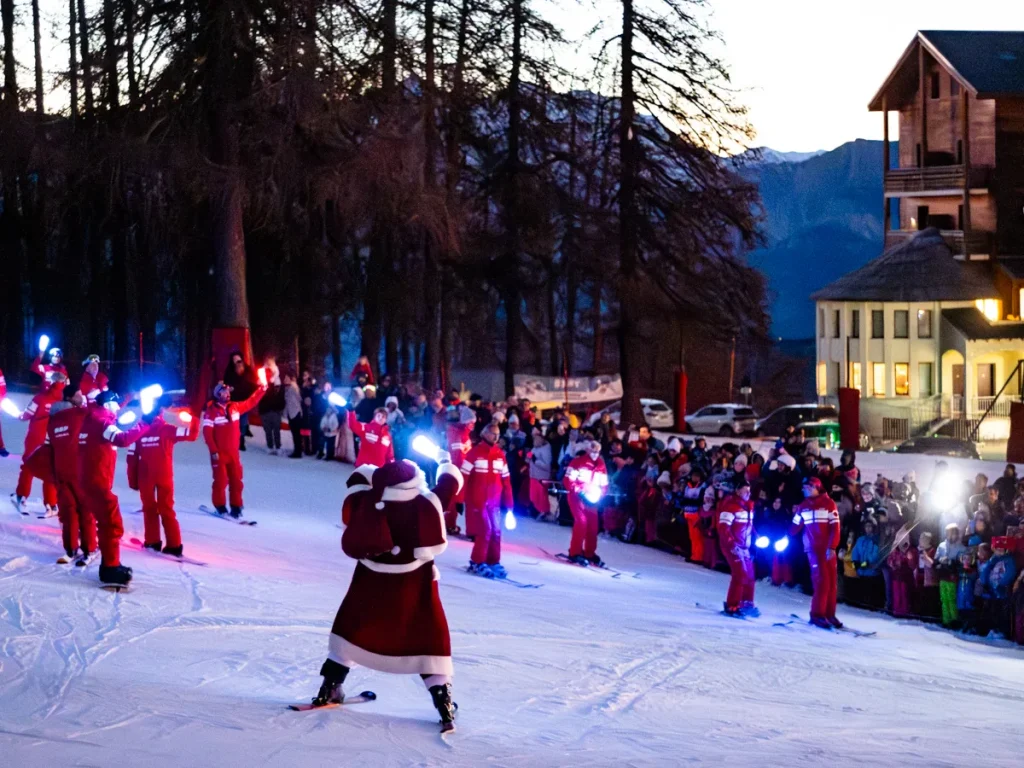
<point>940,178</point>
<point>980,243</point>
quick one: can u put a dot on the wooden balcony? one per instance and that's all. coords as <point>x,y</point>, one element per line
<point>903,182</point>
<point>980,242</point>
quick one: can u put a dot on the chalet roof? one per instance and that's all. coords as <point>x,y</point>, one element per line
<point>920,269</point>
<point>988,64</point>
<point>973,325</point>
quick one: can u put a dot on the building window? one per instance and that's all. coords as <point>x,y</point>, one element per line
<point>822,379</point>
<point>935,85</point>
<point>855,324</point>
<point>924,323</point>
<point>877,324</point>
<point>925,384</point>
<point>836,320</point>
<point>821,323</point>
<point>854,380</point>
<point>878,379</point>
<point>902,375</point>
<point>901,324</point>
<point>989,308</point>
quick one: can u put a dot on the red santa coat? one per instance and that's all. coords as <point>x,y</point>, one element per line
<point>375,446</point>
<point>90,386</point>
<point>391,618</point>
<point>151,459</point>
<point>98,441</point>
<point>221,429</point>
<point>735,523</point>
<point>488,483</point>
<point>818,518</point>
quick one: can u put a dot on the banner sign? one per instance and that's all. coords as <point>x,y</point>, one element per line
<point>593,389</point>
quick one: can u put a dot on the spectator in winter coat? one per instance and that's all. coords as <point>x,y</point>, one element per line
<point>947,564</point>
<point>515,455</point>
<point>981,534</point>
<point>362,370</point>
<point>979,493</point>
<point>293,412</point>
<point>539,459</point>
<point>866,552</point>
<point>1007,486</point>
<point>311,424</point>
<point>271,408</point>
<point>927,577</point>
<point>903,562</point>
<point>318,410</point>
<point>848,463</point>
<point>243,381</point>
<point>330,426</point>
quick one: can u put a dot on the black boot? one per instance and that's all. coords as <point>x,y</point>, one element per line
<point>115,574</point>
<point>442,696</point>
<point>156,546</point>
<point>174,551</point>
<point>236,512</point>
<point>334,675</point>
<point>222,511</point>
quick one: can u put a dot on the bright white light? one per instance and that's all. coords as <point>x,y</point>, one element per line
<point>126,418</point>
<point>762,542</point>
<point>340,402</point>
<point>149,395</point>
<point>44,342</point>
<point>593,493</point>
<point>510,520</point>
<point>781,544</point>
<point>8,407</point>
<point>261,374</point>
<point>185,417</point>
<point>424,446</point>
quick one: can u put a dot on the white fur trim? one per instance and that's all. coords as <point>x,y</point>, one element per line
<point>366,472</point>
<point>379,505</point>
<point>431,680</point>
<point>450,469</point>
<point>399,493</point>
<point>429,553</point>
<point>392,567</point>
<point>343,652</point>
<point>395,549</point>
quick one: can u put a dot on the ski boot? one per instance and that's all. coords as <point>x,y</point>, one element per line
<point>87,559</point>
<point>836,623</point>
<point>750,610</point>
<point>174,551</point>
<point>20,503</point>
<point>236,512</point>
<point>222,511</point>
<point>734,613</point>
<point>481,569</point>
<point>331,692</point>
<point>580,560</point>
<point>446,708</point>
<point>69,556</point>
<point>115,574</point>
<point>820,623</point>
<point>596,561</point>
<point>50,511</point>
<point>156,546</point>
<point>499,571</point>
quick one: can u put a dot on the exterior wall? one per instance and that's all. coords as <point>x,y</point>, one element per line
<point>943,118</point>
<point>1009,176</point>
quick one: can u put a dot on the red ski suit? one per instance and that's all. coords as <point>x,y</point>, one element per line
<point>46,370</point>
<point>818,518</point>
<point>91,387</point>
<point>37,415</point>
<point>98,441</point>
<point>3,394</point>
<point>488,491</point>
<point>77,525</point>
<point>582,474</point>
<point>375,446</point>
<point>735,531</point>
<point>151,473</point>
<point>222,434</point>
<point>459,445</point>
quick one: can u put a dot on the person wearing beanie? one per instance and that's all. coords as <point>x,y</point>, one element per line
<point>37,415</point>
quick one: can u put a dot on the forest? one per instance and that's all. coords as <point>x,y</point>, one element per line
<point>466,183</point>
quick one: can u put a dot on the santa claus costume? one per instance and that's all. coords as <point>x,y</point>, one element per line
<point>391,619</point>
<point>488,492</point>
<point>818,518</point>
<point>460,427</point>
<point>735,534</point>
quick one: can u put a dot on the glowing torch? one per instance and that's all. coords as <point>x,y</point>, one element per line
<point>782,544</point>
<point>44,342</point>
<point>148,397</point>
<point>762,542</point>
<point>593,493</point>
<point>261,374</point>
<point>510,520</point>
<point>127,418</point>
<point>185,417</point>
<point>8,407</point>
<point>340,402</point>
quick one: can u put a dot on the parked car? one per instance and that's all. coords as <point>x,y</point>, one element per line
<point>825,432</point>
<point>778,421</point>
<point>939,446</point>
<point>657,413</point>
<point>726,419</point>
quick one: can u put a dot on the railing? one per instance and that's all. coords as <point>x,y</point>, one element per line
<point>935,179</point>
<point>979,242</point>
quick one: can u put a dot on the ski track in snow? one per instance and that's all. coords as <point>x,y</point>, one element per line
<point>196,665</point>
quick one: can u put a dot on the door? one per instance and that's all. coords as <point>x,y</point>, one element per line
<point>958,379</point>
<point>986,379</point>
<point>922,217</point>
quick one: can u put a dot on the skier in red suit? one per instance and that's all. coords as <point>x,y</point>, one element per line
<point>586,481</point>
<point>151,473</point>
<point>391,618</point>
<point>3,393</point>
<point>488,492</point>
<point>735,534</point>
<point>48,371</point>
<point>93,382</point>
<point>98,441</point>
<point>78,528</point>
<point>37,415</point>
<point>375,446</point>
<point>222,434</point>
<point>818,518</point>
<point>459,444</point>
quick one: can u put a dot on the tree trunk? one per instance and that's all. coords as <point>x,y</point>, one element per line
<point>431,272</point>
<point>554,351</point>
<point>628,287</point>
<point>83,38</point>
<point>38,42</point>
<point>513,334</point>
<point>510,290</point>
<point>598,330</point>
<point>129,34</point>
<point>73,59</point>
<point>572,287</point>
<point>111,87</point>
<point>10,67</point>
<point>336,346</point>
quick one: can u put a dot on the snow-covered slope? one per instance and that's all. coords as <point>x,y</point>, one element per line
<point>196,665</point>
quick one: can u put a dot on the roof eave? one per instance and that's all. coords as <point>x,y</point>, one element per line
<point>939,57</point>
<point>875,105</point>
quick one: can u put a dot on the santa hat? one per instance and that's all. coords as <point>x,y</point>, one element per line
<point>787,461</point>
<point>397,481</point>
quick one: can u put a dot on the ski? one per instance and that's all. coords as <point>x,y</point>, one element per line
<point>213,512</point>
<point>46,515</point>
<point>66,559</point>
<point>139,545</point>
<point>506,580</point>
<point>613,572</point>
<point>855,632</point>
<point>723,612</point>
<point>116,588</point>
<point>362,698</point>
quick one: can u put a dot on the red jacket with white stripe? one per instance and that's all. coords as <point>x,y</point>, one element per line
<point>375,446</point>
<point>62,432</point>
<point>91,387</point>
<point>487,477</point>
<point>818,518</point>
<point>46,370</point>
<point>583,472</point>
<point>39,408</point>
<point>3,385</point>
<point>98,441</point>
<point>221,429</point>
<point>151,459</point>
<point>735,523</point>
<point>459,443</point>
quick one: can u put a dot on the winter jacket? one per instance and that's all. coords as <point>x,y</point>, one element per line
<point>818,519</point>
<point>151,458</point>
<point>692,497</point>
<point>584,473</point>
<point>62,432</point>
<point>292,401</point>
<point>540,462</point>
<point>91,386</point>
<point>375,446</point>
<point>243,384</point>
<point>947,560</point>
<point>735,524</point>
<point>330,425</point>
<point>487,477</point>
<point>273,400</point>
<point>48,371</point>
<point>221,429</point>
<point>866,555</point>
<point>997,575</point>
<point>98,441</point>
<point>927,575</point>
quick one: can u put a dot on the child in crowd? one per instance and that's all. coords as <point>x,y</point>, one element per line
<point>927,578</point>
<point>947,565</point>
<point>903,561</point>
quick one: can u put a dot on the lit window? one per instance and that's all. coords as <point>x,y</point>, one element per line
<point>902,372</point>
<point>854,381</point>
<point>822,379</point>
<point>878,379</point>
<point>989,308</point>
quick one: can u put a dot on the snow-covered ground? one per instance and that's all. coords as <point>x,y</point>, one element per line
<point>195,666</point>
